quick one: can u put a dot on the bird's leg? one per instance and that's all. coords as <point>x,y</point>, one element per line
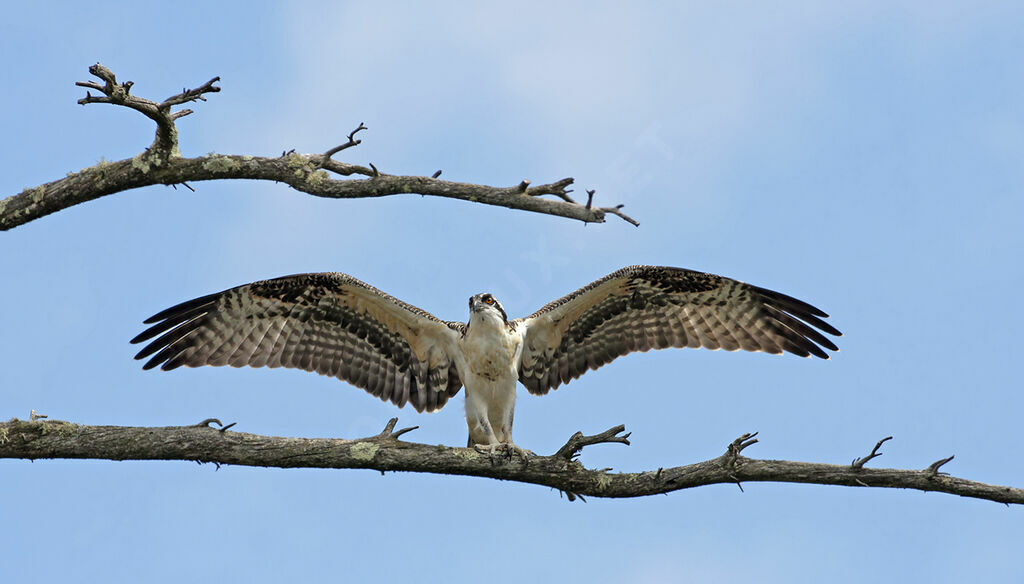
<point>481,432</point>
<point>480,429</point>
<point>489,414</point>
<point>485,440</point>
<point>505,434</point>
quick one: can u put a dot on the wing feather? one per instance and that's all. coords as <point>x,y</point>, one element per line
<point>330,323</point>
<point>640,308</point>
<point>262,353</point>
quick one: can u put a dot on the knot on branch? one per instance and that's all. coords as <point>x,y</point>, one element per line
<point>732,452</point>
<point>113,91</point>
<point>206,424</point>
<point>933,469</point>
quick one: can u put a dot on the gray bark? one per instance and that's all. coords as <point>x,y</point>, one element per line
<point>385,452</point>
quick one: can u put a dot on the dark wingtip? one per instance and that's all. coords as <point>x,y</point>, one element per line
<point>139,338</point>
<point>828,345</point>
<point>818,352</point>
<point>149,364</point>
<point>183,307</point>
<point>829,329</point>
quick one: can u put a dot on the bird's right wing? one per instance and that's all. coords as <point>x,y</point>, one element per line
<point>330,323</point>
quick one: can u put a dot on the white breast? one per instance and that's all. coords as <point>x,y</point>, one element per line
<point>489,358</point>
<point>491,352</point>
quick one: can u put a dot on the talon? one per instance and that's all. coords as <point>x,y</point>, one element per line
<point>524,453</point>
<point>488,450</point>
<point>509,448</point>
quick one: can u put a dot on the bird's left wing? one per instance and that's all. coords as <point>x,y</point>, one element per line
<point>330,323</point>
<point>652,307</point>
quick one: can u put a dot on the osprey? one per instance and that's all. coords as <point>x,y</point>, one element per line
<point>336,325</point>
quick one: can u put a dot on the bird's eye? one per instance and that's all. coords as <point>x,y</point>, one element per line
<point>489,299</point>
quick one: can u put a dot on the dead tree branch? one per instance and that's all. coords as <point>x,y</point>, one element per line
<point>162,163</point>
<point>859,462</point>
<point>50,439</point>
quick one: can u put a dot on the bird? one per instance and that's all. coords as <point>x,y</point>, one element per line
<point>335,325</point>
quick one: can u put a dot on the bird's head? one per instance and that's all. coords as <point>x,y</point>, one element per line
<point>484,304</point>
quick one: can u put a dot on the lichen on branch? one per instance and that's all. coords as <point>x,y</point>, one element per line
<point>52,439</point>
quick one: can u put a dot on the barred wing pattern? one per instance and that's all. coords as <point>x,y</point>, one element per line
<point>330,323</point>
<point>640,308</point>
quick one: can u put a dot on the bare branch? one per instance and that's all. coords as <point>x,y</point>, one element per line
<point>560,191</point>
<point>859,462</point>
<point>351,142</point>
<point>188,95</point>
<point>51,439</point>
<point>616,210</point>
<point>161,163</point>
<point>166,143</point>
<point>572,449</point>
<point>389,428</point>
<point>732,453</point>
<point>933,468</point>
<point>303,172</point>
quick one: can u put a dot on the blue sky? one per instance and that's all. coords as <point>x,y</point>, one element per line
<point>867,159</point>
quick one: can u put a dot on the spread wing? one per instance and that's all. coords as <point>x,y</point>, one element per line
<point>651,307</point>
<point>329,323</point>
